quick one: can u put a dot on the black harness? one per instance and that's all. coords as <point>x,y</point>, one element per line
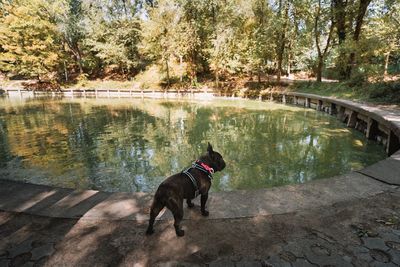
<point>199,166</point>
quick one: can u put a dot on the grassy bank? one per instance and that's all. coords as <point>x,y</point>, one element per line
<point>378,93</point>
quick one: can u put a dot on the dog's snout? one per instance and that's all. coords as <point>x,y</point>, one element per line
<point>223,164</point>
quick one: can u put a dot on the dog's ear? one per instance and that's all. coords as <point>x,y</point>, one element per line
<point>209,148</point>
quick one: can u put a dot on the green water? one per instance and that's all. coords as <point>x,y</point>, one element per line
<point>132,145</point>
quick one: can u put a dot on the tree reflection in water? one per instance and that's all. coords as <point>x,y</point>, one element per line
<point>132,145</point>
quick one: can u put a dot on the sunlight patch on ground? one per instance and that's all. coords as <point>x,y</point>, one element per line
<point>358,143</point>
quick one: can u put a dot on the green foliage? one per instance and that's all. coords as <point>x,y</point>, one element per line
<point>29,39</point>
<point>112,34</point>
<point>227,54</point>
<point>72,29</point>
<point>189,41</point>
<point>115,43</point>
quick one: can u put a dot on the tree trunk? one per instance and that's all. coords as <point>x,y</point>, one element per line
<point>362,9</point>
<point>78,58</point>
<point>288,65</point>
<point>181,68</point>
<point>216,79</point>
<point>65,72</point>
<point>385,71</point>
<point>281,43</point>
<point>320,66</point>
<point>350,65</point>
<point>281,51</point>
<point>339,14</point>
<point>321,53</point>
<point>193,71</point>
<point>279,68</point>
<point>167,68</point>
<point>74,47</point>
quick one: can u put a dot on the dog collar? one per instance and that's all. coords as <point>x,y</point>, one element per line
<point>203,167</point>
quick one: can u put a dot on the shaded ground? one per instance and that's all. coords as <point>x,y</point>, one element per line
<point>363,232</point>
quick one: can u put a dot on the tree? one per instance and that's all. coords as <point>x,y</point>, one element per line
<point>348,15</point>
<point>229,39</point>
<point>291,34</point>
<point>30,39</point>
<point>283,21</point>
<point>113,39</point>
<point>321,27</point>
<point>72,28</point>
<point>362,9</point>
<point>384,30</point>
<point>157,36</point>
<point>198,16</point>
<point>260,48</point>
<point>222,38</point>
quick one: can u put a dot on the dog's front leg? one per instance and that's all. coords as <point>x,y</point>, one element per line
<point>189,203</point>
<point>203,201</point>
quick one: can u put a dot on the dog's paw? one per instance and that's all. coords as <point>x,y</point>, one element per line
<point>190,205</point>
<point>149,231</point>
<point>205,212</point>
<point>180,233</point>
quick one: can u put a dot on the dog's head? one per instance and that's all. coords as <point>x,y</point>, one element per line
<point>213,159</point>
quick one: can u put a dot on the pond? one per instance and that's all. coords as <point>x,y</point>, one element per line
<point>131,145</point>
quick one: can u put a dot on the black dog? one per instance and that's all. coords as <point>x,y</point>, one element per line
<point>186,185</point>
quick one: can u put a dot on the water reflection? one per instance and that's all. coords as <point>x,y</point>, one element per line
<point>132,145</point>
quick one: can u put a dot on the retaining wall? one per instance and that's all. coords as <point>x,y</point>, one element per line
<point>377,124</point>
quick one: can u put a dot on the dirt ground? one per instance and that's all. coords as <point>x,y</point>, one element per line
<point>364,232</point>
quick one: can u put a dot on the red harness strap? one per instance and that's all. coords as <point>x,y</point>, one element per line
<point>206,167</point>
<point>203,167</point>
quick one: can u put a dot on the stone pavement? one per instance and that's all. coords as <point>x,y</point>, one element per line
<point>89,204</point>
<point>387,170</point>
<point>380,248</point>
<point>317,249</point>
<point>359,232</point>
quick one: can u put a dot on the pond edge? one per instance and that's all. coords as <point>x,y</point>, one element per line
<point>377,124</point>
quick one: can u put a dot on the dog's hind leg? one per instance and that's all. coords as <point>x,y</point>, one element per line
<point>156,207</point>
<point>176,207</point>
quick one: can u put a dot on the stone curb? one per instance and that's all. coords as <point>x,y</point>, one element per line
<point>95,205</point>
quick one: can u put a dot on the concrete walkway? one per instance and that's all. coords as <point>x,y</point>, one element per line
<point>387,170</point>
<point>66,203</point>
<point>359,232</point>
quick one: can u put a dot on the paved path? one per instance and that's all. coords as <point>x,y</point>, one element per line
<point>387,170</point>
<point>89,204</point>
<point>360,232</point>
